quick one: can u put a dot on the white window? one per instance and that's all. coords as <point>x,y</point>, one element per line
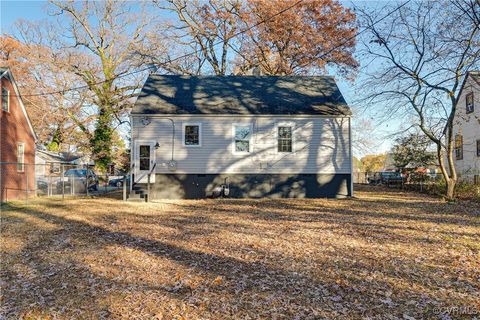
<point>20,156</point>
<point>55,168</point>
<point>192,135</point>
<point>242,138</point>
<point>469,102</point>
<point>5,99</point>
<point>144,157</point>
<point>459,147</point>
<point>284,138</point>
<point>285,135</point>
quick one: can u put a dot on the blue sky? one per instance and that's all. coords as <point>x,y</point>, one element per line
<point>11,11</point>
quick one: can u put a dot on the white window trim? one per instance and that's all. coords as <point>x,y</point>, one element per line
<point>23,156</point>
<point>8,101</point>
<point>250,145</point>
<point>285,124</point>
<point>56,167</point>
<point>455,147</point>
<point>468,111</point>
<point>149,156</point>
<point>199,134</point>
<point>139,143</point>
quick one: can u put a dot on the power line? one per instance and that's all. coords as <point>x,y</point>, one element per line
<point>359,32</point>
<point>308,144</point>
<point>171,60</point>
<point>350,38</point>
<point>220,42</point>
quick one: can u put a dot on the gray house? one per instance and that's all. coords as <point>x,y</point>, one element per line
<point>245,136</point>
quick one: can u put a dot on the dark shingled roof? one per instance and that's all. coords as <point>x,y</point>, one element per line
<point>255,95</point>
<point>58,156</point>
<point>475,75</point>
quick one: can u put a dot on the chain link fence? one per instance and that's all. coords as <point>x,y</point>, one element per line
<point>428,181</point>
<point>412,180</point>
<point>423,182</point>
<point>22,181</point>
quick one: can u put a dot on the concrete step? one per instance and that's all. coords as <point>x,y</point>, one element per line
<point>138,190</point>
<point>138,195</point>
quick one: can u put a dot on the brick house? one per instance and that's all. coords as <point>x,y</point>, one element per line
<point>17,143</point>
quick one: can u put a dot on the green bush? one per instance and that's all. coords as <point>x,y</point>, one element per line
<point>464,190</point>
<point>468,190</point>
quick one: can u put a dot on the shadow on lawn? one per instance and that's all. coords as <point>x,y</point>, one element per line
<point>48,282</point>
<point>308,210</point>
<point>367,222</point>
<point>250,280</point>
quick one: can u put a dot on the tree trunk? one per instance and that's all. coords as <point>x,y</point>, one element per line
<point>452,181</point>
<point>449,176</point>
<point>451,189</point>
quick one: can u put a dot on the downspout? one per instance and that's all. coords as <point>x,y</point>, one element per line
<point>173,136</point>
<point>132,153</point>
<point>351,154</point>
<point>173,133</point>
<point>173,141</point>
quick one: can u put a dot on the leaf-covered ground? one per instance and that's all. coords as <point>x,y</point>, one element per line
<point>383,255</point>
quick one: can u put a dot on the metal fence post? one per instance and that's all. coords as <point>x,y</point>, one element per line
<point>105,183</point>
<point>35,180</point>
<point>26,187</point>
<point>86,180</point>
<point>49,186</point>
<point>72,184</point>
<point>124,188</point>
<point>148,188</point>
<point>62,168</point>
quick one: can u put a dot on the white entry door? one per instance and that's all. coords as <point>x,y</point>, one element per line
<point>144,161</point>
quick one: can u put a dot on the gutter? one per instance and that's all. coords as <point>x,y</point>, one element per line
<point>298,116</point>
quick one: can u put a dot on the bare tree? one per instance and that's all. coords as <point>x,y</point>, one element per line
<point>99,40</point>
<point>279,37</point>
<point>204,29</point>
<point>418,57</point>
<point>363,137</point>
<point>36,69</point>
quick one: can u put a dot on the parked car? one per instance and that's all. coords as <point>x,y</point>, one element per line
<point>118,182</point>
<point>42,186</point>
<point>75,180</point>
<point>386,177</point>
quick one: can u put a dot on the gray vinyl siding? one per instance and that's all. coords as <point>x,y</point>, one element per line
<point>321,145</point>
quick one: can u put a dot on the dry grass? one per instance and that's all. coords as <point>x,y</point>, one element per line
<point>383,255</point>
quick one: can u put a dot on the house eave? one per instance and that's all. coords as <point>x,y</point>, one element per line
<point>8,73</point>
<point>297,116</point>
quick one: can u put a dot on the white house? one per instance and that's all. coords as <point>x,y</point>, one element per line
<point>248,136</point>
<point>467,129</point>
<point>50,163</point>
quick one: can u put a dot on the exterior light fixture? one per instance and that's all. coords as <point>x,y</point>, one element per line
<point>146,121</point>
<point>157,145</point>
